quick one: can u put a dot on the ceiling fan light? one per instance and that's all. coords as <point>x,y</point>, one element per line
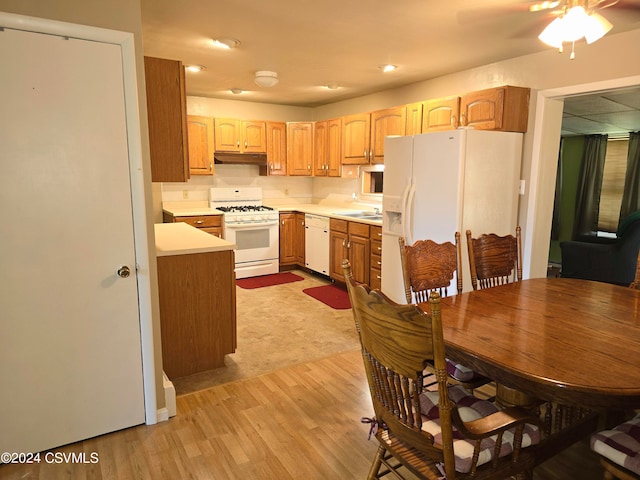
<point>552,35</point>
<point>596,27</point>
<point>265,78</point>
<point>574,24</point>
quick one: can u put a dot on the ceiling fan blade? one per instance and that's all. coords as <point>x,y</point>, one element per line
<point>488,14</point>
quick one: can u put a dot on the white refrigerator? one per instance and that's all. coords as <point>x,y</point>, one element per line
<point>436,184</point>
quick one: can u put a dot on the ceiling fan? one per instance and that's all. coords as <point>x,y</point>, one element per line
<point>567,21</point>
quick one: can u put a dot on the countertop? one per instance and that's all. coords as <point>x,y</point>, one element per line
<point>329,211</point>
<point>181,239</point>
<point>312,208</point>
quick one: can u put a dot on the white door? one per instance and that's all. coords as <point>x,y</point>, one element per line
<point>70,353</point>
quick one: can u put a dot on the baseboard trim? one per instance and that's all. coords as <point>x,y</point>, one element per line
<point>169,399</point>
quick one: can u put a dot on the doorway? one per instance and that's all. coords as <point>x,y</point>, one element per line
<point>544,160</point>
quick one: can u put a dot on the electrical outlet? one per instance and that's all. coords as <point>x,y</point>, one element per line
<point>185,194</point>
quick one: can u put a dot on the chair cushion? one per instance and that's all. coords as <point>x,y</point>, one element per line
<point>460,372</point>
<point>470,408</point>
<point>620,445</point>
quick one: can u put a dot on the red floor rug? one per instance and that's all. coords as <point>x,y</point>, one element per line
<point>268,280</point>
<point>331,295</point>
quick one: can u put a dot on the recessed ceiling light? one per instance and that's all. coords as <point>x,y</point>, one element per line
<point>194,68</point>
<point>387,68</point>
<point>226,43</point>
<point>236,91</point>
<point>332,86</point>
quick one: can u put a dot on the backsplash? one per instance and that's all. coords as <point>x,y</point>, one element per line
<point>275,190</point>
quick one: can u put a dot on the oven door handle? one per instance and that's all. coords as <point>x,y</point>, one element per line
<point>250,226</point>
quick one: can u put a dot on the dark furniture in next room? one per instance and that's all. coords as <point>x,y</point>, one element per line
<point>611,262</point>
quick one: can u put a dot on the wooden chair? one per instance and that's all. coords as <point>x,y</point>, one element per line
<point>619,450</point>
<point>494,260</point>
<point>430,433</point>
<point>429,266</point>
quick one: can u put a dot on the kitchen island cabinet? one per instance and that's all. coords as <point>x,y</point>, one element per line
<point>197,293</point>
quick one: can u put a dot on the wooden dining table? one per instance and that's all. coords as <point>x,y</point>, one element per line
<point>570,341</point>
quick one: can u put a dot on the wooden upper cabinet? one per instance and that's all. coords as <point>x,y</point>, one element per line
<point>334,147</point>
<point>277,148</point>
<point>414,118</point>
<point>254,137</point>
<point>327,148</point>
<point>356,134</point>
<point>200,131</point>
<point>320,156</point>
<point>241,136</point>
<point>503,108</point>
<point>300,148</point>
<point>441,114</point>
<point>167,117</point>
<point>391,121</point>
<point>227,135</point>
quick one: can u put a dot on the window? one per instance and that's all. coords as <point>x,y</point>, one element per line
<point>615,168</point>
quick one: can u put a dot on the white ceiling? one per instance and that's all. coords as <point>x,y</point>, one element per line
<point>614,113</point>
<point>312,43</point>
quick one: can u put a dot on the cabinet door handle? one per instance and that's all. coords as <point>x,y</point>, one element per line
<point>238,143</point>
<point>463,119</point>
<point>453,120</point>
<point>308,167</point>
<point>210,166</point>
<point>365,154</point>
<point>344,244</point>
<point>245,144</point>
<point>282,222</point>
<point>199,222</point>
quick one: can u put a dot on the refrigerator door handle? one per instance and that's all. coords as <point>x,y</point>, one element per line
<point>407,214</point>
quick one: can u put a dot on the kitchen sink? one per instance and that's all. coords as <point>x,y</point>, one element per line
<point>367,215</point>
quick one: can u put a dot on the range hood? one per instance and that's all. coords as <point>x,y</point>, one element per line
<point>241,158</point>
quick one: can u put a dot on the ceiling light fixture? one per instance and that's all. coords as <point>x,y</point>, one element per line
<point>332,86</point>
<point>226,43</point>
<point>572,25</point>
<point>387,68</point>
<point>194,68</point>
<point>265,78</point>
<point>236,91</point>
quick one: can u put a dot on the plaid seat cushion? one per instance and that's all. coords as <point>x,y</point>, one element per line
<point>620,445</point>
<point>470,408</point>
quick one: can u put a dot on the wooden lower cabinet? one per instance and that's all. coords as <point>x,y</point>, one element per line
<point>349,240</point>
<point>207,223</point>
<point>291,239</point>
<point>197,296</point>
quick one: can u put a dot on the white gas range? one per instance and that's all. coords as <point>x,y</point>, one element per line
<point>252,226</point>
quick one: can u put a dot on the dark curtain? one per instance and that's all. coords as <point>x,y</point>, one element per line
<point>631,193</point>
<point>590,185</point>
<point>557,201</point>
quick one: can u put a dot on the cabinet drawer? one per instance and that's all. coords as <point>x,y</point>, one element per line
<point>376,247</point>
<point>359,229</point>
<point>201,221</point>
<point>375,280</point>
<point>336,225</point>
<point>375,232</point>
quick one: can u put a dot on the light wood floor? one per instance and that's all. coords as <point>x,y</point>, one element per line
<point>300,421</point>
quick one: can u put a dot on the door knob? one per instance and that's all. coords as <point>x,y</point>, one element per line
<point>123,271</point>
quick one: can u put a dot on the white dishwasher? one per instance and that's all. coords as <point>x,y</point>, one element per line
<point>316,243</point>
